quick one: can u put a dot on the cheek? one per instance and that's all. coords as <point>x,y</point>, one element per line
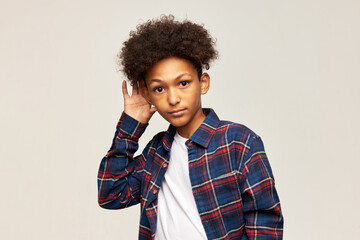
<point>193,96</point>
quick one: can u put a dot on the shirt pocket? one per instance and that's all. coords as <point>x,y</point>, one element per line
<point>225,188</point>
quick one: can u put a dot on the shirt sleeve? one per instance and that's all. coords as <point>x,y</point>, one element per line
<point>261,205</point>
<point>120,173</point>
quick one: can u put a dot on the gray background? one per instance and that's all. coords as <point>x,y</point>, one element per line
<point>289,70</point>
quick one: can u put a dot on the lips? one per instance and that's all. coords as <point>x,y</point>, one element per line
<point>178,112</point>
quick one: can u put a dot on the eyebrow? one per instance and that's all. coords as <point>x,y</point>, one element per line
<point>178,77</point>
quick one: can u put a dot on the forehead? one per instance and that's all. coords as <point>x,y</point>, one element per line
<point>169,69</point>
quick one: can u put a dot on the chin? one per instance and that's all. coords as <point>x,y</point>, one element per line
<point>177,122</point>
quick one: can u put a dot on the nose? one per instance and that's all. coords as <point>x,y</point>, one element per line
<point>173,97</point>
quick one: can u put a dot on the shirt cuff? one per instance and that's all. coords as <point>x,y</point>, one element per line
<point>130,127</point>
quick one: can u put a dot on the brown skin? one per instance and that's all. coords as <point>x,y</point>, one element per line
<point>136,106</point>
<point>175,90</point>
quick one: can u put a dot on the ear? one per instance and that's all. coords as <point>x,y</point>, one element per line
<point>204,83</point>
<point>144,92</point>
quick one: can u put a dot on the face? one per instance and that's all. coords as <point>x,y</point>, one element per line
<point>174,88</point>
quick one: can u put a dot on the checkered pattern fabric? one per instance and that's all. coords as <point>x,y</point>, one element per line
<point>231,178</point>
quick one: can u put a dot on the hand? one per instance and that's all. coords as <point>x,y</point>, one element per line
<point>136,106</point>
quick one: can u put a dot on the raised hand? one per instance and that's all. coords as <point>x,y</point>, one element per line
<point>136,106</point>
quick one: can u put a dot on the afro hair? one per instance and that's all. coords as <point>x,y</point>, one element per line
<point>158,39</point>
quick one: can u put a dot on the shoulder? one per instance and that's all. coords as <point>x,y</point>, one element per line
<point>224,132</point>
<point>236,131</point>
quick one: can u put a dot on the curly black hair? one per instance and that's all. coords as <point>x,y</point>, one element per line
<point>161,38</point>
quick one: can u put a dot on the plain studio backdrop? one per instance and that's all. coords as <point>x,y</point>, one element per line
<point>289,70</point>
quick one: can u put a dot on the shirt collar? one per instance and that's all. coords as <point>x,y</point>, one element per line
<point>201,136</point>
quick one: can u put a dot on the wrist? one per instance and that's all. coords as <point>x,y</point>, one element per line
<point>130,127</point>
<point>138,117</point>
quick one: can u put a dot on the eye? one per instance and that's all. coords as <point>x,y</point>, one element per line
<point>158,89</point>
<point>184,83</point>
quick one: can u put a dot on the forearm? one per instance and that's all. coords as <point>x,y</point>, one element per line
<point>119,175</point>
<point>261,205</point>
<point>262,211</point>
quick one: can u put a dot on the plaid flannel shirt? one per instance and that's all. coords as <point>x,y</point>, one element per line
<point>231,178</point>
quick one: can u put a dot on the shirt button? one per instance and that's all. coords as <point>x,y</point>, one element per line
<point>155,191</point>
<point>164,165</point>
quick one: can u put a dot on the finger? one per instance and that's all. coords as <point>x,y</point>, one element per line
<point>135,88</point>
<point>124,89</point>
<point>138,88</point>
<point>143,93</point>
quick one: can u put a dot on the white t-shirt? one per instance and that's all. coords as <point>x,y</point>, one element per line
<point>178,217</point>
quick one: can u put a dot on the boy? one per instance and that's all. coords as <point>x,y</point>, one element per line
<point>201,179</point>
